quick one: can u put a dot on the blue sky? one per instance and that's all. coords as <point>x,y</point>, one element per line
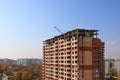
<point>25,24</point>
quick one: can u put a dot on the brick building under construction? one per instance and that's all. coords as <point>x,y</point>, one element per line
<point>74,55</point>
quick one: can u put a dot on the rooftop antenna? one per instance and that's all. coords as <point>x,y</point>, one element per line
<point>57,29</point>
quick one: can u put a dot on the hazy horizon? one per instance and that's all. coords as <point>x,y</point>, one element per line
<point>25,24</point>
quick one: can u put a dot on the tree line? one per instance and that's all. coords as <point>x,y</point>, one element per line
<point>19,72</point>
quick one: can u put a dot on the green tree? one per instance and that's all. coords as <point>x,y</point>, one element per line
<point>112,72</point>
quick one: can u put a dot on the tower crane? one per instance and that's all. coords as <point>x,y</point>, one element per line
<point>57,29</point>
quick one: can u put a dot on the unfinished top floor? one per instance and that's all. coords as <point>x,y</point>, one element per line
<point>74,33</point>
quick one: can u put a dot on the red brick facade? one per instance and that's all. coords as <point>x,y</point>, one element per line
<point>75,55</point>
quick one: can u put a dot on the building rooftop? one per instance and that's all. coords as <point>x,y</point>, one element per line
<point>80,32</point>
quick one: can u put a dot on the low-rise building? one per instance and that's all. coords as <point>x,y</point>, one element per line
<point>27,62</point>
<point>112,63</point>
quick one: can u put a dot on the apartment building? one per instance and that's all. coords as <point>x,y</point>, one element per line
<point>28,62</point>
<point>74,55</point>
